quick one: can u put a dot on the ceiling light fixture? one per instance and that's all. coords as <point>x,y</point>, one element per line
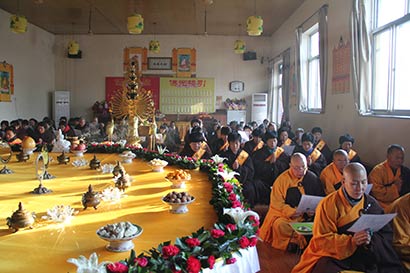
<point>254,24</point>
<point>154,45</point>
<point>135,23</point>
<point>239,45</point>
<point>18,23</point>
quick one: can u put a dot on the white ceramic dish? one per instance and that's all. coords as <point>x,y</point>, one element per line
<point>120,244</point>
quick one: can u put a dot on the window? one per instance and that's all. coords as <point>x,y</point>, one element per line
<point>277,102</point>
<point>312,62</point>
<point>390,38</point>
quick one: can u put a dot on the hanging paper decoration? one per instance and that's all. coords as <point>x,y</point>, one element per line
<point>239,47</point>
<point>254,25</point>
<point>154,46</point>
<point>18,24</point>
<point>135,24</point>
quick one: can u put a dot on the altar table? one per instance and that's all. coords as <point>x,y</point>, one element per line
<point>47,246</point>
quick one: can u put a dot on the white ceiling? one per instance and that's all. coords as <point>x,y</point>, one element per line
<point>170,16</point>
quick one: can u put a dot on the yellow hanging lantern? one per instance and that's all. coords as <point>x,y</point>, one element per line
<point>135,24</point>
<point>154,46</point>
<point>254,25</point>
<point>73,47</point>
<point>18,24</point>
<point>239,47</point>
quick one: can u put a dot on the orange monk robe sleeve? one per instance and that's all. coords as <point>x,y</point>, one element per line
<point>401,228</point>
<point>329,179</point>
<point>326,241</point>
<point>278,196</point>
<point>277,207</point>
<point>379,177</point>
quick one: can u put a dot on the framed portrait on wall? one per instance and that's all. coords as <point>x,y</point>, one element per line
<point>135,54</point>
<point>6,81</point>
<point>184,62</point>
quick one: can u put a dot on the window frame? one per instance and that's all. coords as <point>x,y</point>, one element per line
<point>392,27</point>
<point>305,71</point>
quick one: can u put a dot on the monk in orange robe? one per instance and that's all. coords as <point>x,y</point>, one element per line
<point>332,175</point>
<point>401,227</point>
<point>332,248</point>
<point>285,197</point>
<point>390,178</point>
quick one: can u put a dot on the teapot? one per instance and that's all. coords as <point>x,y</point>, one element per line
<point>239,215</point>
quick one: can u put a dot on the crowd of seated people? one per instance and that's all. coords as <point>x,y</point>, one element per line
<point>275,168</point>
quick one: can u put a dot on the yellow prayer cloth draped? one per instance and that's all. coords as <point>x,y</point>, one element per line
<point>47,246</point>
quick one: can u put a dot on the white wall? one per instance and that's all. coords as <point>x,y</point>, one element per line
<point>372,134</point>
<point>32,57</point>
<point>103,56</point>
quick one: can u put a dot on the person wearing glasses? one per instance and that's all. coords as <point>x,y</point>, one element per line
<point>284,199</point>
<point>333,248</point>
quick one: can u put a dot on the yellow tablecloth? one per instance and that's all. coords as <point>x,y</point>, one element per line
<point>47,246</point>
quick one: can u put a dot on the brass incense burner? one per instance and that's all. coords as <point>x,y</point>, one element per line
<point>124,181</point>
<point>63,158</point>
<point>117,169</point>
<point>21,218</point>
<point>95,163</point>
<point>91,198</point>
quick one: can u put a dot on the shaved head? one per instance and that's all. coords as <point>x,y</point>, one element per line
<point>298,157</point>
<point>354,168</point>
<point>355,180</point>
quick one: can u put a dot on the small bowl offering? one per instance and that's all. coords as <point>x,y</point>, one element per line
<point>178,201</point>
<point>119,235</point>
<point>157,165</point>
<point>178,178</point>
<point>127,156</point>
<point>78,153</point>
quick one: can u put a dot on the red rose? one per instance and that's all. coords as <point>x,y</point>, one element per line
<point>255,221</point>
<point>192,242</point>
<point>117,267</point>
<point>243,242</point>
<point>143,262</point>
<point>211,261</point>
<point>193,265</point>
<point>230,261</point>
<point>169,251</point>
<point>236,204</point>
<point>232,197</point>
<point>231,227</point>
<point>220,165</point>
<point>228,186</point>
<point>253,241</point>
<point>217,233</point>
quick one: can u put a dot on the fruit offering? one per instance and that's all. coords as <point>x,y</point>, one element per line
<point>178,197</point>
<point>178,175</point>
